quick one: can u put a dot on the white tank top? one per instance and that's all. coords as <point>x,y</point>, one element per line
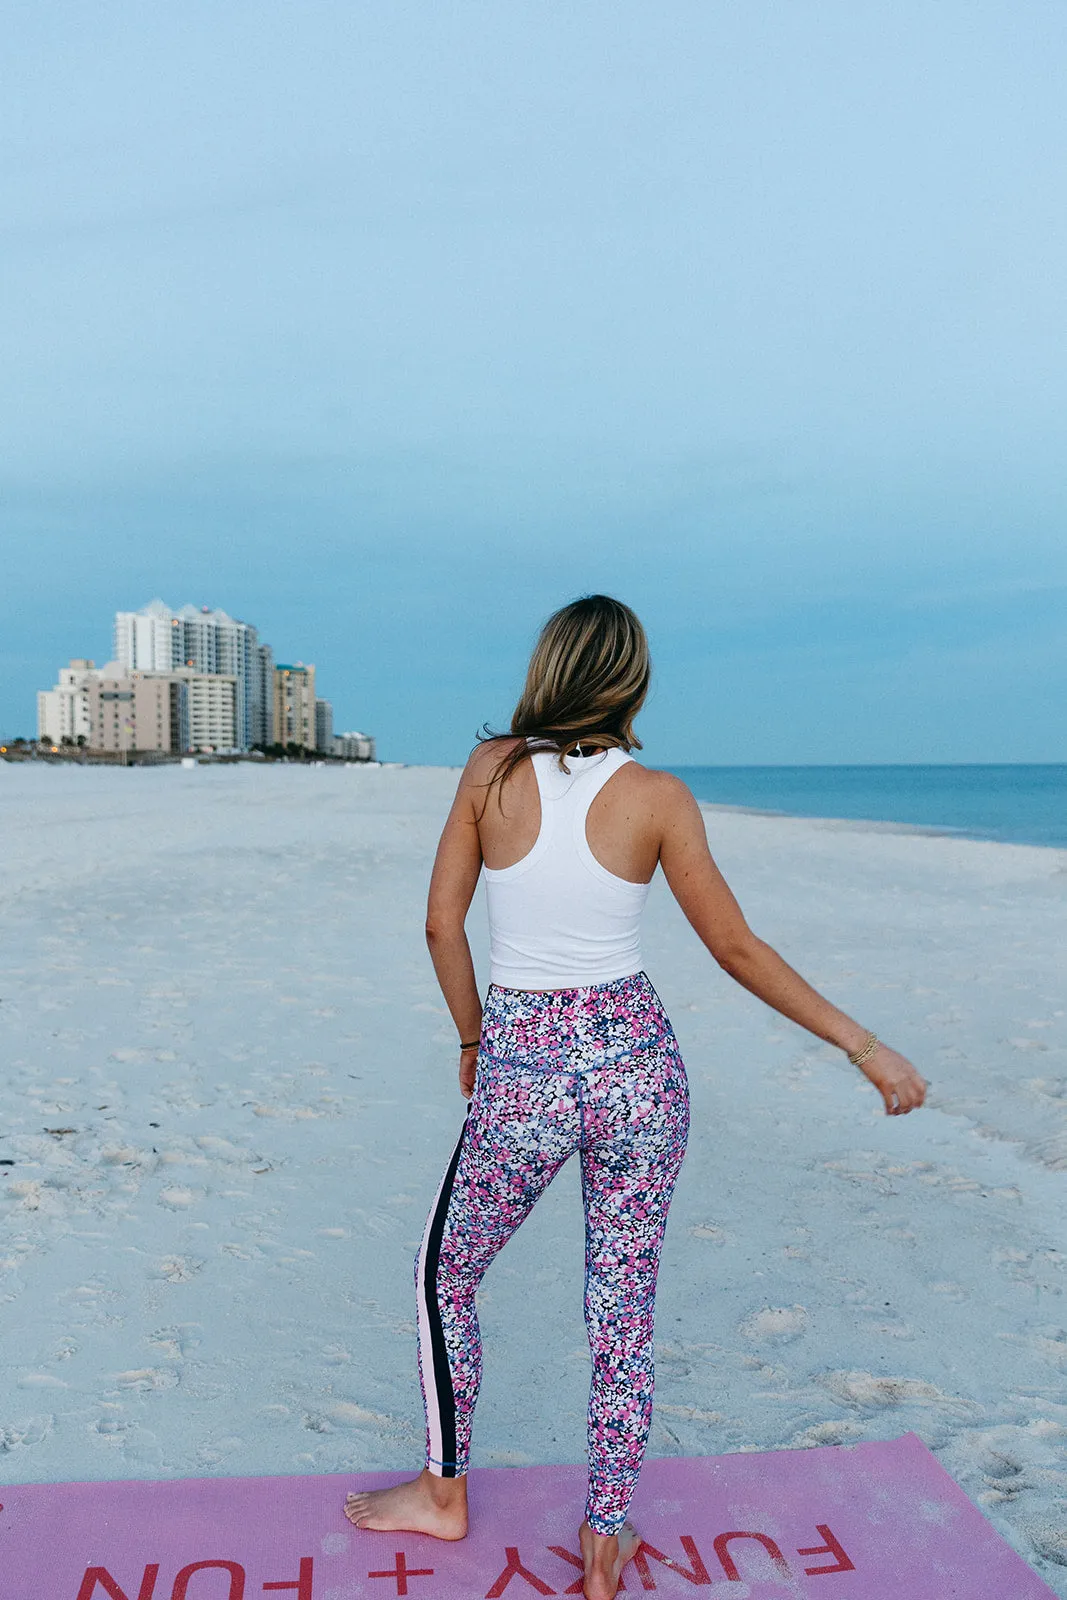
<point>557,918</point>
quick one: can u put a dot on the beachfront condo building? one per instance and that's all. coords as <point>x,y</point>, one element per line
<point>214,705</point>
<point>294,705</point>
<point>135,710</point>
<point>169,712</point>
<point>147,640</point>
<point>354,746</point>
<point>263,700</point>
<point>200,640</point>
<point>324,727</point>
<point>63,712</point>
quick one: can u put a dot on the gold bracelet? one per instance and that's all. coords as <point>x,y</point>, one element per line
<point>866,1050</point>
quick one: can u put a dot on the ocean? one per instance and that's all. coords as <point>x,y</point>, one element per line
<point>1015,804</point>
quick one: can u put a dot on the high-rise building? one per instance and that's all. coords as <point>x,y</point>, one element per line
<point>63,712</point>
<point>214,642</point>
<point>157,639</point>
<point>147,640</point>
<point>263,701</point>
<point>214,698</point>
<point>324,727</point>
<point>294,705</point>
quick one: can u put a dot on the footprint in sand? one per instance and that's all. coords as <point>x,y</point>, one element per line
<point>177,1199</point>
<point>1048,1341</point>
<point>868,1392</point>
<point>111,1428</point>
<point>145,1379</point>
<point>25,1432</point>
<point>1048,1535</point>
<point>828,1433</point>
<point>173,1344</point>
<point>775,1324</point>
<point>951,1291</point>
<point>350,1415</point>
<point>708,1230</point>
<point>178,1269</point>
<point>1049,1152</point>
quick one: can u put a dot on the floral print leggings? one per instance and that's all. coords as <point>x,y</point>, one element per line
<point>593,1070</point>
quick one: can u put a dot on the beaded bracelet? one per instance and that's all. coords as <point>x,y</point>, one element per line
<point>866,1050</point>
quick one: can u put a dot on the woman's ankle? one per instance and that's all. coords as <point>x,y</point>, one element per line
<point>445,1491</point>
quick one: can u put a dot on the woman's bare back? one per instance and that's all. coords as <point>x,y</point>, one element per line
<point>622,827</point>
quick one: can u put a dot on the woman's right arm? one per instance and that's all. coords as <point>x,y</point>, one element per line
<point>705,897</point>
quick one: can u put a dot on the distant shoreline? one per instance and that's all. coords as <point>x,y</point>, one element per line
<point>991,802</point>
<point>876,825</point>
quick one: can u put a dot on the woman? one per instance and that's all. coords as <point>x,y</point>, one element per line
<point>573,1051</point>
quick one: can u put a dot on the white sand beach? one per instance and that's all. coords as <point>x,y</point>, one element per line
<point>229,1092</point>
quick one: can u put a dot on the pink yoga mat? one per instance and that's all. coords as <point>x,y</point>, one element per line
<point>877,1521</point>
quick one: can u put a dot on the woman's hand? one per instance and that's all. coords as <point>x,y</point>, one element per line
<point>896,1080</point>
<point>468,1063</point>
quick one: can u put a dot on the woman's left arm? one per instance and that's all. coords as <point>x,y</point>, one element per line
<point>452,885</point>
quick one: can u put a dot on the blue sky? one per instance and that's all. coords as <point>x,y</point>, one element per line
<point>391,328</point>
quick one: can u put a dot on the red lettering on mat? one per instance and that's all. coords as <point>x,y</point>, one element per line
<point>302,1585</point>
<point>768,1544</point>
<point>515,1569</point>
<point>697,1573</point>
<point>402,1572</point>
<point>576,1561</point>
<point>234,1568</point>
<point>830,1548</point>
<point>100,1577</point>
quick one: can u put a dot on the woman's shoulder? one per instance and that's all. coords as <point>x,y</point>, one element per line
<point>663,790</point>
<point>658,777</point>
<point>489,753</point>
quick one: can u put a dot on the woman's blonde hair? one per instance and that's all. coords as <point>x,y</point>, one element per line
<point>586,682</point>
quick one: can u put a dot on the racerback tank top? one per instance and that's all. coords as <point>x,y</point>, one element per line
<point>558,919</point>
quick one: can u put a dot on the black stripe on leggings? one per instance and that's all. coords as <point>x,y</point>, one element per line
<point>442,1372</point>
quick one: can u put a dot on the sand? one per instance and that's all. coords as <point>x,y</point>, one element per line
<point>229,1091</point>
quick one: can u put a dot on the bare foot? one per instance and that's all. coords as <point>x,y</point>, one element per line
<point>605,1555</point>
<point>426,1504</point>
